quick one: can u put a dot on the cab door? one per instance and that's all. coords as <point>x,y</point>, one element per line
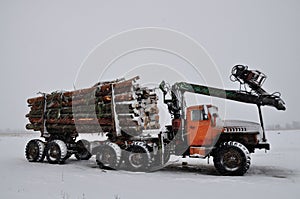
<point>198,123</point>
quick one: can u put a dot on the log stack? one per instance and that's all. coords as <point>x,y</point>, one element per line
<point>119,107</point>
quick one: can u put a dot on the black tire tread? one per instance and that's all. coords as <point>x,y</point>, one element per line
<point>41,148</point>
<point>243,151</point>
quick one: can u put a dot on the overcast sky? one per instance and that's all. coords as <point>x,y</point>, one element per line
<point>43,44</point>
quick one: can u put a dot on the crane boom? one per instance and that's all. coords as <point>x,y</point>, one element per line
<point>264,99</point>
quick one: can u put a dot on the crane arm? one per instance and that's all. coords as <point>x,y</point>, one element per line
<point>264,99</point>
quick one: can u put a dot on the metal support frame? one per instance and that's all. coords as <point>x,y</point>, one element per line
<point>115,117</point>
<point>262,123</point>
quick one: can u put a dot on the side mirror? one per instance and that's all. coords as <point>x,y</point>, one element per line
<point>205,113</point>
<point>214,119</point>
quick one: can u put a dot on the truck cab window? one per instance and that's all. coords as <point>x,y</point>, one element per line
<point>197,115</point>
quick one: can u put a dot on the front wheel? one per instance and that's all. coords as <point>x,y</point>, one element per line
<point>232,158</point>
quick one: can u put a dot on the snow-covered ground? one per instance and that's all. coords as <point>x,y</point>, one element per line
<point>275,174</point>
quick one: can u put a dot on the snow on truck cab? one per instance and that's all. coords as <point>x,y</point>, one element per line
<point>128,114</point>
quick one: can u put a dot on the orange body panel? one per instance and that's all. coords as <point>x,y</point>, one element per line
<point>201,132</point>
<point>198,150</point>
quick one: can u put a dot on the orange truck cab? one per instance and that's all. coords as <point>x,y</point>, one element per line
<point>203,128</point>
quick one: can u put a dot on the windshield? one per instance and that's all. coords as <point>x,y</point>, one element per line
<point>197,115</point>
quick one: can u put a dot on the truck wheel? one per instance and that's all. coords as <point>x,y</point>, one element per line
<point>138,158</point>
<point>82,147</point>
<point>232,158</point>
<point>108,156</point>
<point>56,152</point>
<point>34,151</point>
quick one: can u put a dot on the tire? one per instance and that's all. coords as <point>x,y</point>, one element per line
<point>108,156</point>
<point>56,152</point>
<point>232,158</point>
<point>34,151</point>
<point>82,147</point>
<point>138,157</point>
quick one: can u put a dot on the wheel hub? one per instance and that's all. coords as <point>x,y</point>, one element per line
<point>231,160</point>
<point>33,151</point>
<point>108,158</point>
<point>136,159</point>
<point>54,152</point>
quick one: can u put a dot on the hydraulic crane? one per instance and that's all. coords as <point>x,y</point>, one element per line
<point>253,78</point>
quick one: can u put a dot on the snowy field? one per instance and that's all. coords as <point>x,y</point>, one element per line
<point>275,174</point>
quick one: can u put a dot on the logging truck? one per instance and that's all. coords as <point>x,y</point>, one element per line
<point>128,115</point>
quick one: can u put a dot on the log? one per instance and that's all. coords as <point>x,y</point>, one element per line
<point>123,90</point>
<point>66,110</point>
<point>37,107</point>
<point>84,91</point>
<point>124,108</point>
<point>124,97</point>
<point>35,127</point>
<point>34,100</point>
<point>103,108</point>
<point>82,101</point>
<point>62,129</point>
<point>126,83</point>
<point>62,121</point>
<point>93,115</point>
<point>36,112</point>
<point>63,126</point>
<point>34,115</point>
<point>128,122</point>
<point>85,110</point>
<point>85,96</point>
<point>36,120</point>
<point>103,90</point>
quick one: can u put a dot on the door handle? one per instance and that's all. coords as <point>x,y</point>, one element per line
<point>192,127</point>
